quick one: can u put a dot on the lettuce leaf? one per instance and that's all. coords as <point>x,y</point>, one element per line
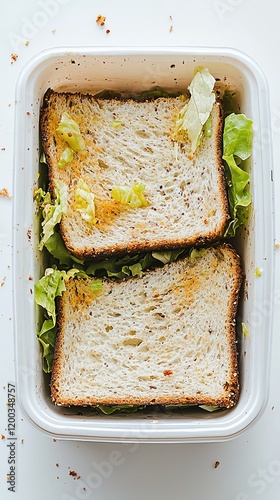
<point>126,408</point>
<point>196,254</point>
<point>46,289</point>
<point>132,196</point>
<point>66,157</point>
<point>56,247</point>
<point>69,131</point>
<point>210,408</point>
<point>108,410</point>
<point>153,94</point>
<point>84,202</point>
<point>167,256</point>
<point>245,331</point>
<point>196,111</point>
<point>134,265</point>
<point>52,210</point>
<point>50,286</point>
<point>229,102</point>
<point>237,147</point>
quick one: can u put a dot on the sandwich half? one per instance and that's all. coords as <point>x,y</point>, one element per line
<point>129,148</point>
<point>165,338</point>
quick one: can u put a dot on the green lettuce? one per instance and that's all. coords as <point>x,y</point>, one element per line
<point>196,111</point>
<point>229,102</point>
<point>210,408</point>
<point>237,147</point>
<point>131,196</point>
<point>56,247</point>
<point>66,157</point>
<point>51,209</point>
<point>69,131</point>
<point>108,410</point>
<point>196,254</point>
<point>126,408</point>
<point>50,286</point>
<point>167,256</point>
<point>46,289</point>
<point>153,94</point>
<point>134,265</point>
<point>84,202</point>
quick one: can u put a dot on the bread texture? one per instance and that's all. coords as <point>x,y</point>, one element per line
<point>167,337</point>
<point>126,142</point>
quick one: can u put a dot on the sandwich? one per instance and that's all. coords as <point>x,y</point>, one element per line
<point>135,182</point>
<point>140,293</point>
<point>167,337</point>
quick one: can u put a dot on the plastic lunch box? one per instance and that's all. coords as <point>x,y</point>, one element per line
<point>135,70</point>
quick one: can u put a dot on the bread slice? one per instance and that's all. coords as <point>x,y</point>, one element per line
<point>167,337</point>
<point>186,194</point>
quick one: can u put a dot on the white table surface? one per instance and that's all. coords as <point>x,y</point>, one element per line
<point>249,466</point>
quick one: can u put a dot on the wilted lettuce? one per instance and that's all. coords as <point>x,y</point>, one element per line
<point>237,147</point>
<point>108,410</point>
<point>69,131</point>
<point>196,112</point>
<point>229,102</point>
<point>66,157</point>
<point>84,202</point>
<point>51,209</point>
<point>131,196</point>
<point>245,331</point>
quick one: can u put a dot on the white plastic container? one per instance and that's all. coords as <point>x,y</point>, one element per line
<point>137,69</point>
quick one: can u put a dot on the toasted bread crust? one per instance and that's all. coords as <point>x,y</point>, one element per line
<point>87,245</point>
<point>82,305</point>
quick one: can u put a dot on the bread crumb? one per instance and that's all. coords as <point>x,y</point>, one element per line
<point>171,26</point>
<point>4,192</point>
<point>3,281</point>
<point>101,20</point>
<point>57,465</point>
<point>53,31</point>
<point>22,441</point>
<point>14,57</point>
<point>277,245</point>
<point>74,474</point>
<point>27,43</point>
<point>2,436</point>
<point>107,31</point>
<point>216,464</point>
